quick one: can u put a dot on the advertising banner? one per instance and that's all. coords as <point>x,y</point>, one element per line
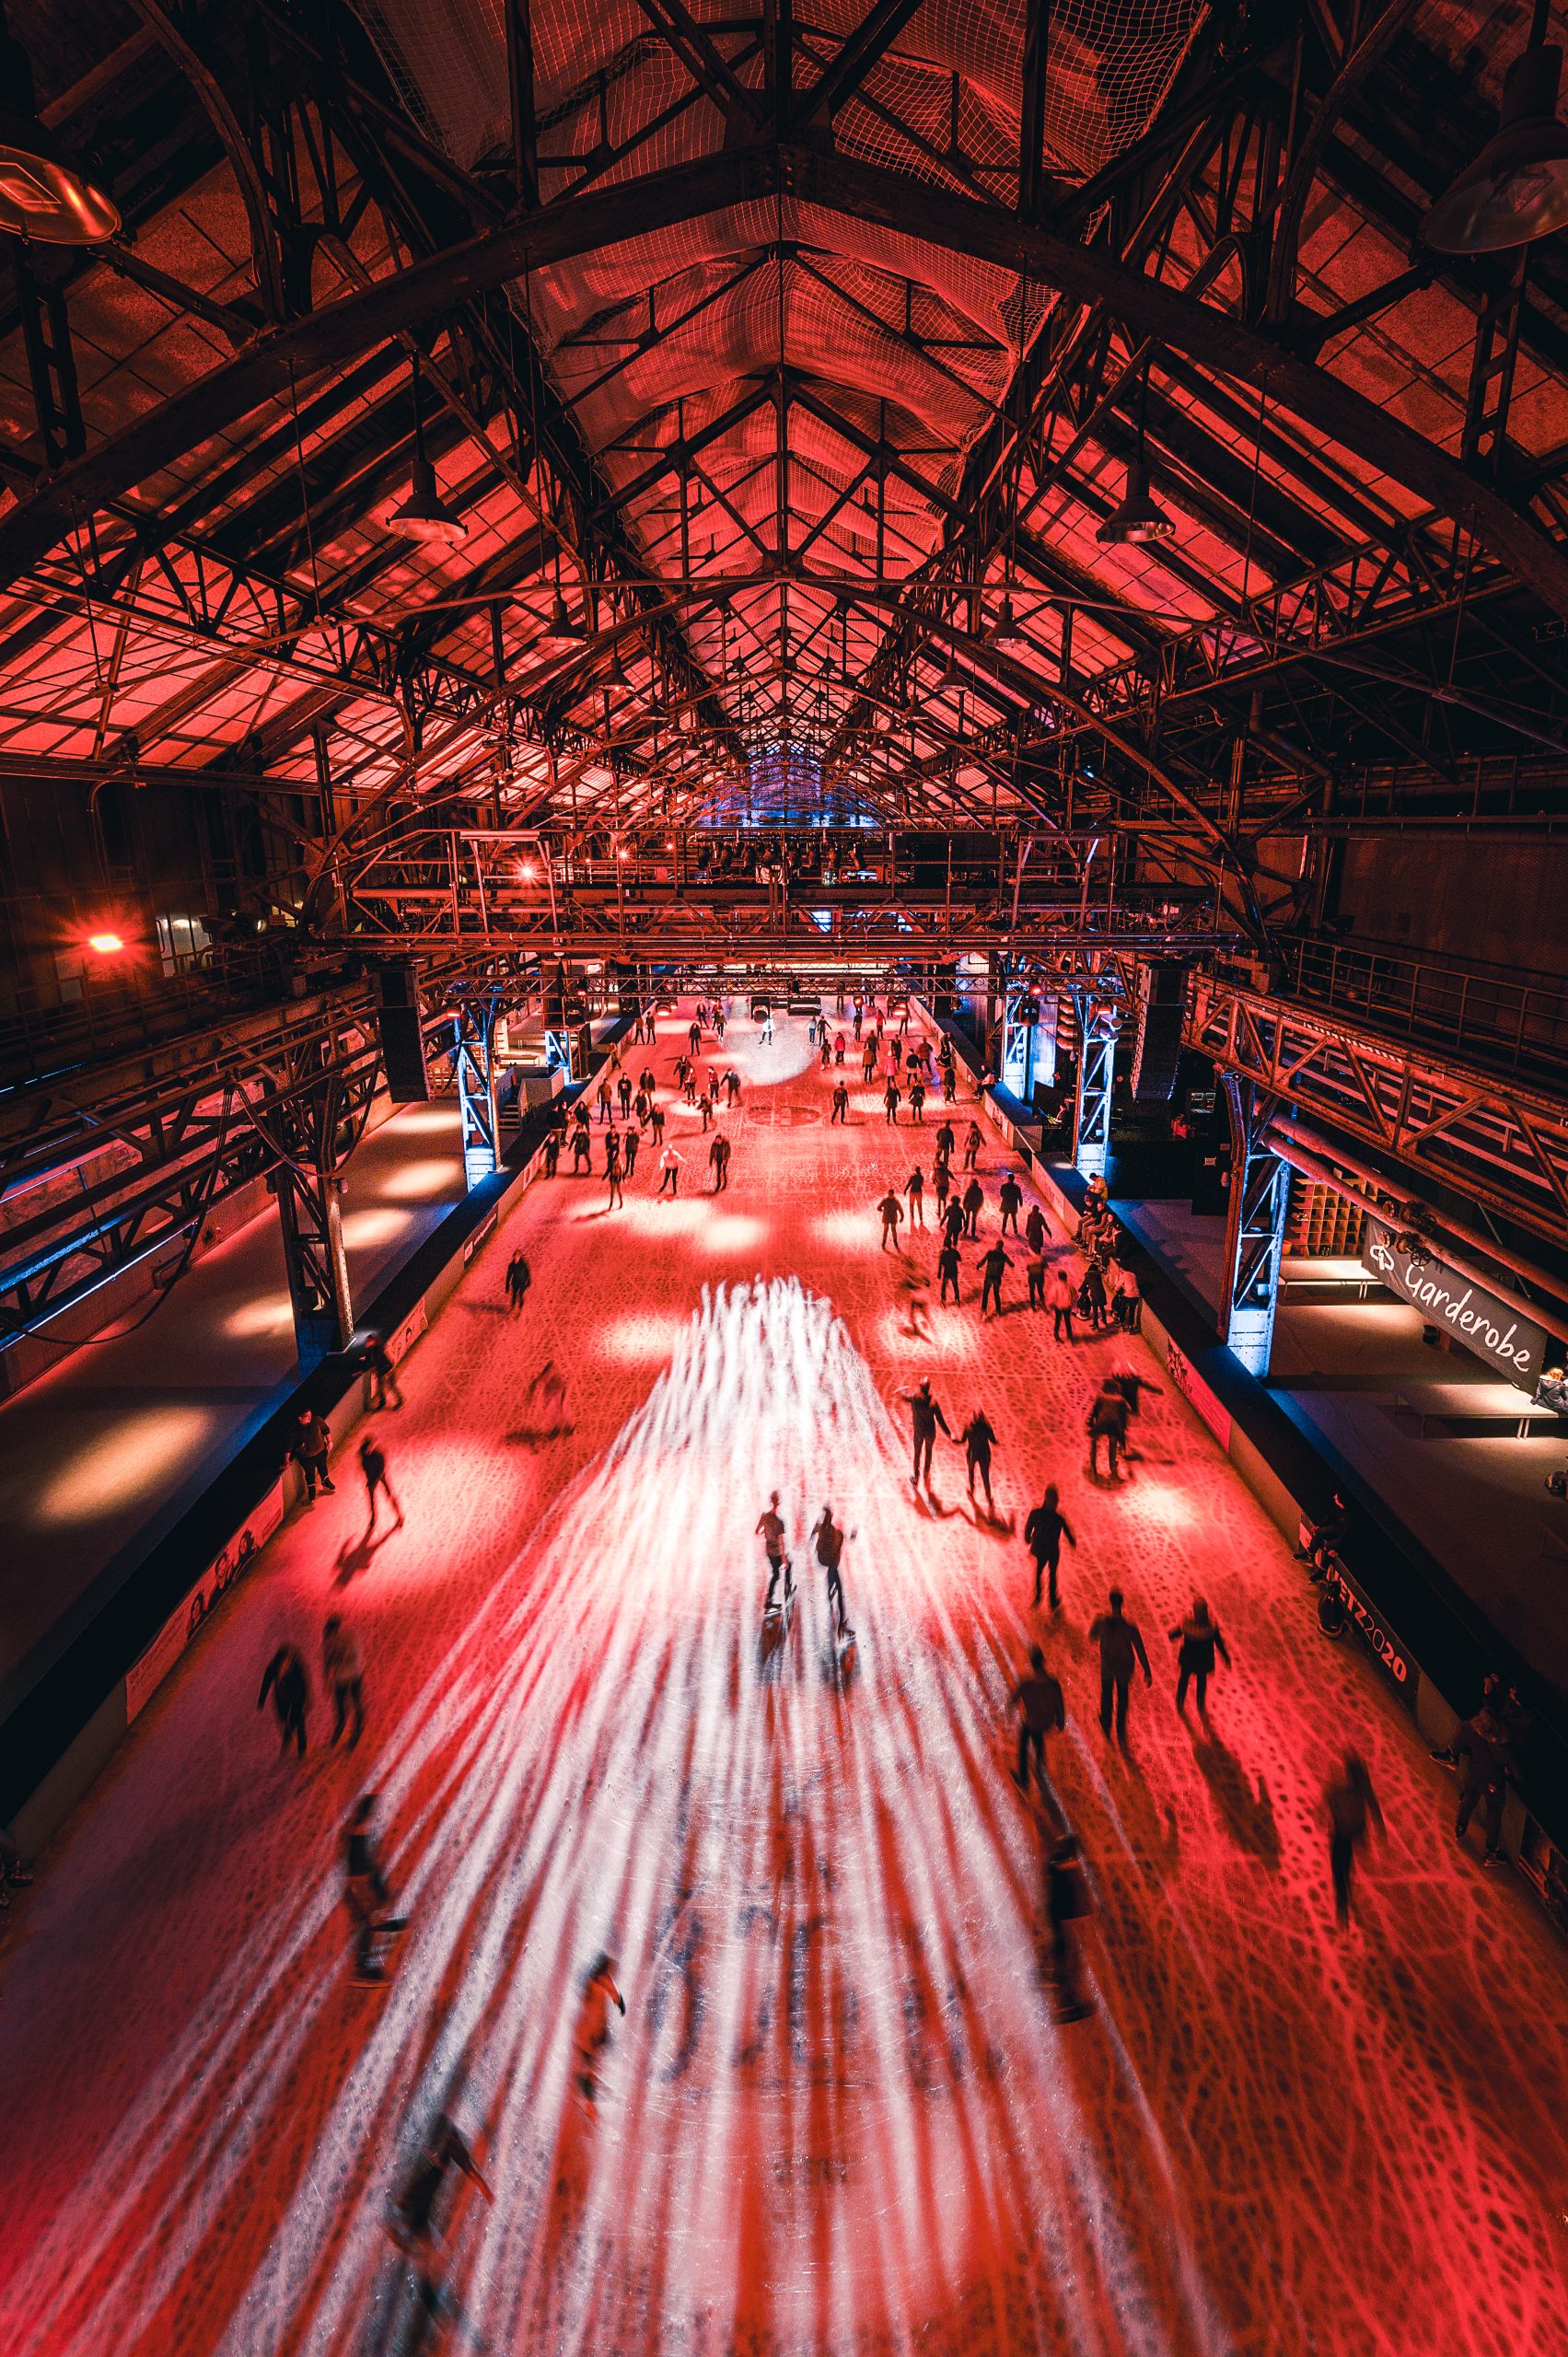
<point>1486,1325</point>
<point>145,1677</point>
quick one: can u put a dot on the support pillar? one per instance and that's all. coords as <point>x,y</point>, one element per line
<point>1255,1227</point>
<point>1098,1023</point>
<point>475,1064</point>
<point>310,1222</point>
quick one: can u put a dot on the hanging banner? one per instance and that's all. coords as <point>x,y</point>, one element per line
<point>1486,1325</point>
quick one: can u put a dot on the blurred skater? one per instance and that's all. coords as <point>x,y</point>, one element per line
<point>286,1681</point>
<point>344,1676</point>
<point>1200,1639</point>
<point>1121,1645</point>
<point>373,1464</point>
<point>829,1543</point>
<point>592,2033</point>
<point>367,1894</point>
<point>770,1530</point>
<point>1068,1901</point>
<point>924,1418</point>
<point>1043,1533</point>
<point>519,1277</point>
<point>1354,1812</point>
<point>1037,1699</point>
<point>979,1438</point>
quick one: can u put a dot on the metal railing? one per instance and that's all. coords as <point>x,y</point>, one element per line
<point>1513,1021</point>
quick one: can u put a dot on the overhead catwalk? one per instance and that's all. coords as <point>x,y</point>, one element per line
<point>843,2110</point>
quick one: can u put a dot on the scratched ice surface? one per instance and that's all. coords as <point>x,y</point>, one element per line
<point>839,2115</point>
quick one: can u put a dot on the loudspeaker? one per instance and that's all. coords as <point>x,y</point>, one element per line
<point>1156,1050</point>
<point>403,1034</point>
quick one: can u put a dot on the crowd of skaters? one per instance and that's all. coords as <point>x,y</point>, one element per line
<point>1094,1289</point>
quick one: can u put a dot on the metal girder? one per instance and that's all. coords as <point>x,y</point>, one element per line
<point>1493,1141</point>
<point>337,332</point>
<point>1255,1227</point>
<point>1100,1026</point>
<point>474,1065</point>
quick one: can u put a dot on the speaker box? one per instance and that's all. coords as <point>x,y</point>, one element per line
<point>1156,1047</point>
<point>402,1035</point>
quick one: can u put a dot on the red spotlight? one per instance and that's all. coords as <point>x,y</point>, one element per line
<point>107,945</point>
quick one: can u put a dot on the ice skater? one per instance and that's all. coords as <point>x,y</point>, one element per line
<point>924,1418</point>
<point>1012,1201</point>
<point>546,1395</point>
<point>519,1277</point>
<point>617,1201</point>
<point>367,1894</point>
<point>892,1097</point>
<point>413,2218</point>
<point>841,1106</point>
<point>1062,1303</point>
<point>1121,1645</point>
<point>770,1530</point>
<point>948,1266</point>
<point>979,1438</point>
<point>592,2033</point>
<point>344,1674</point>
<point>1479,1746</point>
<point>829,1543</point>
<point>892,1212</point>
<point>1043,1533</point>
<point>373,1464</point>
<point>1200,1639</point>
<point>914,1188</point>
<point>1068,1901</point>
<point>1039,1701</point>
<point>669,1164</point>
<point>382,1389</point>
<point>309,1447</point>
<point>718,1156</point>
<point>1108,1422</point>
<point>994,1263</point>
<point>972,1144</point>
<point>916,1291</point>
<point>285,1678</point>
<point>1354,1812</point>
<point>973,1203</point>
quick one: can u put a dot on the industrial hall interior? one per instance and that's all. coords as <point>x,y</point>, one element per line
<point>784,1178</point>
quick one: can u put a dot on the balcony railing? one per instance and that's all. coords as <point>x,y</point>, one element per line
<point>1490,1014</point>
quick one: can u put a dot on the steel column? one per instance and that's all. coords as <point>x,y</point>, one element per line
<point>474,1062</point>
<point>310,1222</point>
<point>1099,1023</point>
<point>1255,1227</point>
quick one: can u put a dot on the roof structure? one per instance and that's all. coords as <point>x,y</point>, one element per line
<point>787,371</point>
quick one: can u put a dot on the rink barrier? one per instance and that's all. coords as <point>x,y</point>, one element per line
<point>64,1731</point>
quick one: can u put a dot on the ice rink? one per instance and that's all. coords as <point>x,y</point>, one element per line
<point>840,2114</point>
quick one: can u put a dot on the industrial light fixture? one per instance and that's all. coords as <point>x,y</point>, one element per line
<point>424,514</point>
<point>1003,627</point>
<point>1137,516</point>
<point>107,945</point>
<point>1516,190</point>
<point>43,194</point>
<point>561,623</point>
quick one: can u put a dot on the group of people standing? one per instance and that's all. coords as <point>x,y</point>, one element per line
<point>642,1114</point>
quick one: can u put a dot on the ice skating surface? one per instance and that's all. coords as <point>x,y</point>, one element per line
<point>840,2114</point>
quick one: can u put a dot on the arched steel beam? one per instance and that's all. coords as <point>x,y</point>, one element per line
<point>895,201</point>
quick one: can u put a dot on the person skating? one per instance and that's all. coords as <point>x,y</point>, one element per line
<point>1108,1422</point>
<point>994,1263</point>
<point>1043,1533</point>
<point>373,1464</point>
<point>633,1141</point>
<point>552,1154</point>
<point>718,1158</point>
<point>769,1526</point>
<point>953,1221</point>
<point>1035,1229</point>
<point>948,1265</point>
<point>1353,1814</point>
<point>868,1061</point>
<point>972,1144</point>
<point>285,1678</point>
<point>924,1418</point>
<point>582,1153</point>
<point>367,1894</point>
<point>655,1123</point>
<point>1200,1639</point>
<point>412,2221</point>
<point>592,2033</point>
<point>1092,1297</point>
<point>892,1212</point>
<point>1061,1297</point>
<point>839,1046</point>
<point>979,1438</point>
<point>669,1164</point>
<point>1035,1271</point>
<point>944,1142</point>
<point>1068,1901</point>
<point>1039,1701</point>
<point>546,1395</point>
<point>344,1674</point>
<point>917,1101</point>
<point>830,1542</point>
<point>917,1292</point>
<point>942,1187</point>
<point>1129,1301</point>
<point>973,1203</point>
<point>1121,1645</point>
<point>624,1091</point>
<point>613,1182</point>
<point>705,1106</point>
<point>892,1097</point>
<point>694,1033</point>
<point>1012,1201</point>
<point>381,1382</point>
<point>309,1447</point>
<point>1481,1747</point>
<point>1131,1387</point>
<point>914,1188</point>
<point>601,1100</point>
<point>732,1088</point>
<point>519,1277</point>
<point>841,1106</point>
